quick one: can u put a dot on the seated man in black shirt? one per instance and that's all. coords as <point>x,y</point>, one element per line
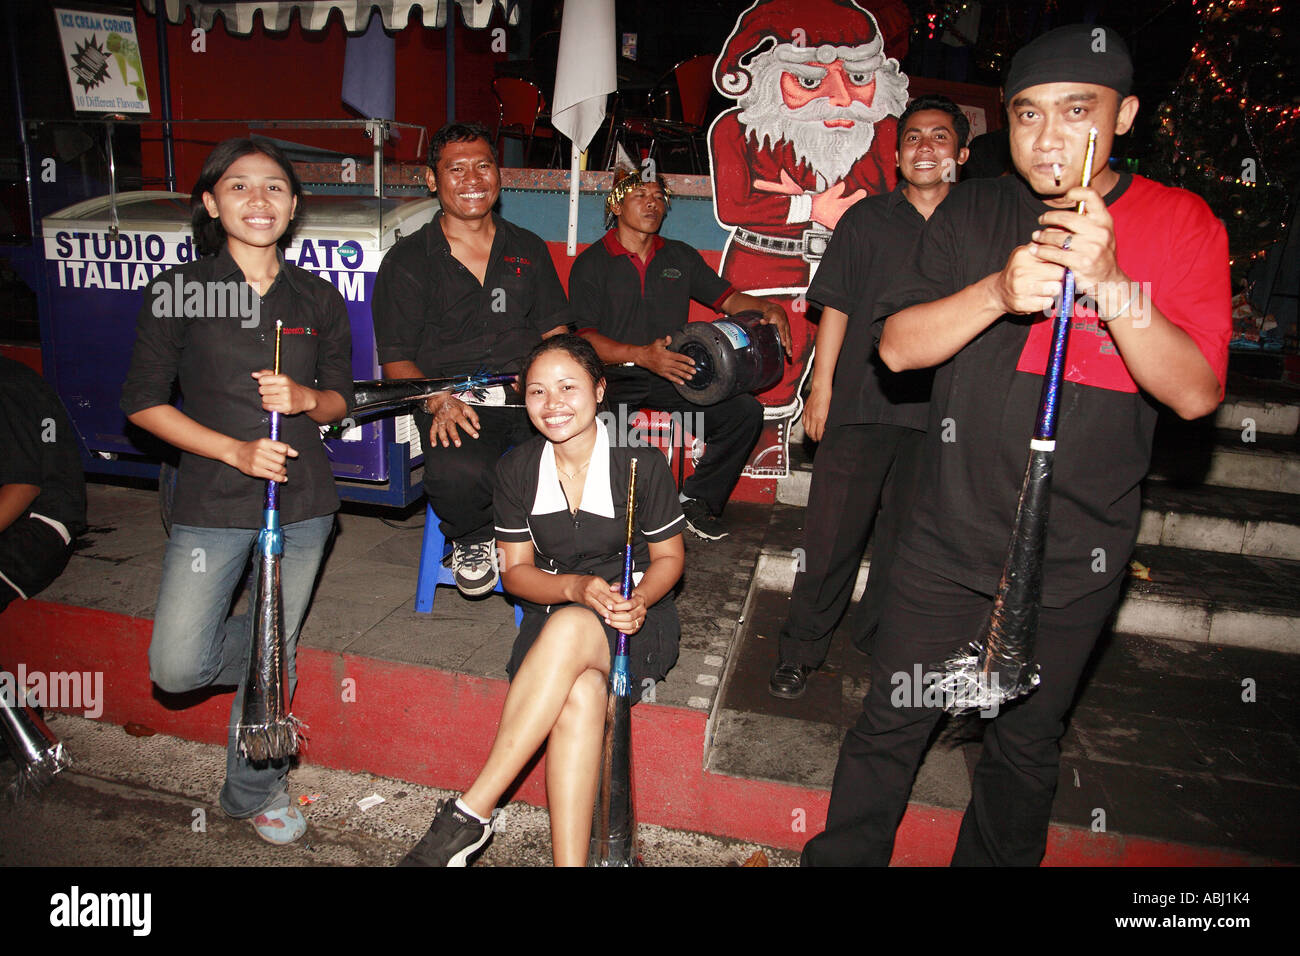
<point>467,292</point>
<point>630,291</point>
<point>42,488</point>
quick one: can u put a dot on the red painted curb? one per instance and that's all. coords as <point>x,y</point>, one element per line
<point>435,727</point>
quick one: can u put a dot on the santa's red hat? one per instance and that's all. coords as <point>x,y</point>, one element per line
<point>814,23</point>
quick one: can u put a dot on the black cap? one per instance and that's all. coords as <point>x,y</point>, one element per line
<point>1077,53</point>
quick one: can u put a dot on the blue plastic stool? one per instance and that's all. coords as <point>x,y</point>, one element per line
<point>432,572</point>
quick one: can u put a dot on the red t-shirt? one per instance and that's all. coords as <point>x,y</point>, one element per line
<point>1189,287</point>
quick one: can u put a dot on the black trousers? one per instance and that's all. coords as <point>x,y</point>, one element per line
<point>858,469</point>
<point>926,618</point>
<point>460,481</point>
<point>730,431</point>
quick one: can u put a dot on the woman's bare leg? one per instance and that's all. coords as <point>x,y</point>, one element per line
<point>571,643</point>
<point>573,767</point>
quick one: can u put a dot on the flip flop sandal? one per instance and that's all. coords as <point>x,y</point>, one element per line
<point>280,827</point>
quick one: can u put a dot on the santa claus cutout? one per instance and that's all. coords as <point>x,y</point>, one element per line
<point>818,89</point>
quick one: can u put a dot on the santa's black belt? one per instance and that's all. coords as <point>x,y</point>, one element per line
<point>810,247</point>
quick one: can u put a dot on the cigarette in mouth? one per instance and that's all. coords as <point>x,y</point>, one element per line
<point>1056,171</point>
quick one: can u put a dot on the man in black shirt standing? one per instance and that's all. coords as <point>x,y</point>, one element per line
<point>870,422</point>
<point>1150,325</point>
<point>468,292</point>
<point>630,291</point>
<point>42,487</point>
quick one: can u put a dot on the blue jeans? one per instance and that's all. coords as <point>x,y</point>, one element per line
<point>195,644</point>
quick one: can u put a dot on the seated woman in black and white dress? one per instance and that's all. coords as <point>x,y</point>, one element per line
<point>561,525</point>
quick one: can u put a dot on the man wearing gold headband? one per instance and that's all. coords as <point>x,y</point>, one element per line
<point>629,293</point>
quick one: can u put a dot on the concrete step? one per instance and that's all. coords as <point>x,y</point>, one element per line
<point>1273,418</point>
<point>1205,518</point>
<point>1201,597</point>
<point>1262,523</point>
<point>1185,453</point>
<point>1264,367</point>
<point>1159,740</point>
<point>1273,408</point>
<point>1212,598</point>
<point>1250,442</point>
<point>1191,453</point>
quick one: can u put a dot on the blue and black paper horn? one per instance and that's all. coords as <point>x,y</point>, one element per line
<point>267,731</point>
<point>613,829</point>
<point>397,394</point>
<point>999,667</point>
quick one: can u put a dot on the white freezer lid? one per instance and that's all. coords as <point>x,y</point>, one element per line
<point>355,218</point>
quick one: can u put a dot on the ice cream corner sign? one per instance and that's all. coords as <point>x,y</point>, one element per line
<point>101,52</point>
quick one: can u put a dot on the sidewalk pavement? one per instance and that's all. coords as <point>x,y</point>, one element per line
<point>152,801</point>
<point>1164,740</point>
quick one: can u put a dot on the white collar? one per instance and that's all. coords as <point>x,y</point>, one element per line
<point>596,497</point>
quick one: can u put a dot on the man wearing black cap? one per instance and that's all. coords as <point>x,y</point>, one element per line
<point>1151,267</point>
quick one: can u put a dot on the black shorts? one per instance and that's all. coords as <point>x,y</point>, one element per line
<point>32,555</point>
<point>652,651</point>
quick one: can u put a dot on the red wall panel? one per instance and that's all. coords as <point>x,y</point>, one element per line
<point>299,75</point>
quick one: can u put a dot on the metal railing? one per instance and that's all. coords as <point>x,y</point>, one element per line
<point>376,130</point>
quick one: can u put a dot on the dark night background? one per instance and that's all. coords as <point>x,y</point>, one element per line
<point>1189,131</point>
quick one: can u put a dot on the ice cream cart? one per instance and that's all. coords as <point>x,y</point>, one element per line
<point>99,255</point>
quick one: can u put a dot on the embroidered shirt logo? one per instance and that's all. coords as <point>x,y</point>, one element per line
<point>671,274</point>
<point>519,262</point>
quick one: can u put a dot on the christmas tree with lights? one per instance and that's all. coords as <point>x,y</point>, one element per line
<point>1227,130</point>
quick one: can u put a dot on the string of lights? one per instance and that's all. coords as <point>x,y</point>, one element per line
<point>1211,108</point>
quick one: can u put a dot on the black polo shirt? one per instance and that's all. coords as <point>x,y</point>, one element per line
<point>612,291</point>
<point>986,397</point>
<point>40,446</point>
<point>870,247</point>
<point>431,310</point>
<point>529,504</point>
<point>212,357</point>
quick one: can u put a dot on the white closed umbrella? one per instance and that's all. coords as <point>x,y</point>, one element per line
<point>585,75</point>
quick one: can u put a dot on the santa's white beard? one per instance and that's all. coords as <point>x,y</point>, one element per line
<point>829,151</point>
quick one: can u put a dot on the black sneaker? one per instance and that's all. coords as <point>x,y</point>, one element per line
<point>474,566</point>
<point>701,521</point>
<point>453,836</point>
<point>789,681</point>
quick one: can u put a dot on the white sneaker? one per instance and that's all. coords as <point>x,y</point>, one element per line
<point>474,566</point>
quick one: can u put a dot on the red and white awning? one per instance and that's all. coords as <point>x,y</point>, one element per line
<point>240,16</point>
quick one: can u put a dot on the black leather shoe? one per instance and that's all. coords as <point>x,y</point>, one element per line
<point>789,681</point>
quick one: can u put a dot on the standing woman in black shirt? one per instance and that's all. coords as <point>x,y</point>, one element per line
<point>561,523</point>
<point>210,326</point>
